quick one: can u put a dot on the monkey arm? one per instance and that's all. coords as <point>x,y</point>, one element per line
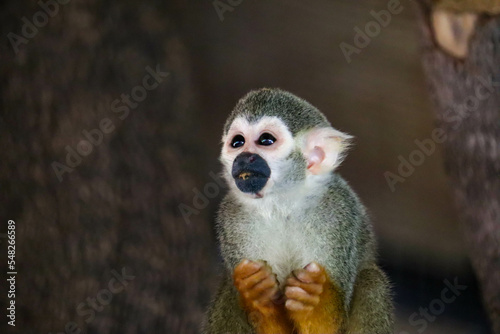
<point>322,311</point>
<point>275,322</point>
<point>314,302</point>
<point>366,289</point>
<point>329,315</point>
<point>348,242</point>
<point>347,236</point>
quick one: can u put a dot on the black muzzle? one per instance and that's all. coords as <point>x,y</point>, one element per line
<point>250,172</point>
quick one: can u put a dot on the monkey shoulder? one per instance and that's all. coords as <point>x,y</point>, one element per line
<point>349,214</point>
<point>344,214</point>
<point>340,198</point>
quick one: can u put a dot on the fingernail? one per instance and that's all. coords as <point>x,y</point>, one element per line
<point>312,267</point>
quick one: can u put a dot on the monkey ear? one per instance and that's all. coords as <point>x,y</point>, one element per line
<point>324,149</point>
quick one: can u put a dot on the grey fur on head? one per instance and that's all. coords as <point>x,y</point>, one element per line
<point>296,113</point>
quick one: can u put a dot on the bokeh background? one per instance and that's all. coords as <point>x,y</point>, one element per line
<point>120,206</point>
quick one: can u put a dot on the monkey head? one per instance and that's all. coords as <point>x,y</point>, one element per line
<point>274,141</point>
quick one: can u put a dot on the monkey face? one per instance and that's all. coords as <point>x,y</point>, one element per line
<point>253,154</point>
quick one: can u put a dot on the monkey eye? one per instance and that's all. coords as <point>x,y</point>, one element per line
<point>238,141</point>
<point>266,139</point>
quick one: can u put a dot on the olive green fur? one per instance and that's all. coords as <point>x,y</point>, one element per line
<point>295,112</point>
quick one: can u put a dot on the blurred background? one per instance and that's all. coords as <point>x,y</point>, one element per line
<point>76,226</point>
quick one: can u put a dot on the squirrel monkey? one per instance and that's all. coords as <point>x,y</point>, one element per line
<point>297,244</point>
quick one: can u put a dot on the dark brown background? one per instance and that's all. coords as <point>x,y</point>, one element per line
<point>120,207</point>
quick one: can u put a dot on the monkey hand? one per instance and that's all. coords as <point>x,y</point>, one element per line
<point>313,302</point>
<point>260,297</point>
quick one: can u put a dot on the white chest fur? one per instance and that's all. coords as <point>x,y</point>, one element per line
<point>281,234</point>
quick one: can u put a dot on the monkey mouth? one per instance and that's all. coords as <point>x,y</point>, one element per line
<point>250,173</point>
<point>250,181</point>
<point>245,175</point>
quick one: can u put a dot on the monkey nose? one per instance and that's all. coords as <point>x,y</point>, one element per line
<point>247,157</point>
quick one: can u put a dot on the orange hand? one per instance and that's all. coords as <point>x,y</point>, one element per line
<point>259,297</point>
<point>313,302</point>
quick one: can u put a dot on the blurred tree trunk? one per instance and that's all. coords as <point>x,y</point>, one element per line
<point>118,207</point>
<point>466,94</point>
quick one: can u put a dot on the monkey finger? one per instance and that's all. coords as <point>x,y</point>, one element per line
<point>253,280</point>
<point>296,293</point>
<point>314,268</point>
<point>270,295</point>
<point>312,288</point>
<point>261,298</point>
<point>267,286</point>
<point>307,276</point>
<point>317,272</point>
<point>246,268</point>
